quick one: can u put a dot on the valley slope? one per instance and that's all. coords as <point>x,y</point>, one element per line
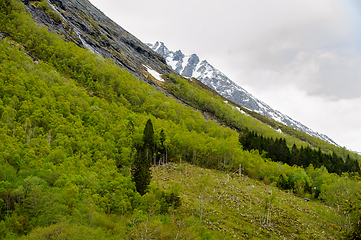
<point>76,126</point>
<point>82,23</point>
<point>191,66</point>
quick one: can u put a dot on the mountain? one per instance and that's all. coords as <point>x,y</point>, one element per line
<point>92,29</point>
<point>191,66</point>
<point>83,24</point>
<point>81,115</point>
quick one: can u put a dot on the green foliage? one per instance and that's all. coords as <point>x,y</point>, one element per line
<point>239,206</point>
<point>73,126</point>
<point>159,201</point>
<point>277,150</point>
<point>44,6</point>
<point>354,207</point>
<point>242,119</point>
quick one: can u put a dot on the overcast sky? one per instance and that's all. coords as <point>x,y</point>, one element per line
<point>301,57</point>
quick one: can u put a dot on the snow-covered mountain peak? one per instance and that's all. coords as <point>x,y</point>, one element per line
<point>161,48</point>
<point>192,66</point>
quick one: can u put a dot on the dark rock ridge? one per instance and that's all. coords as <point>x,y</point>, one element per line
<point>191,66</point>
<point>88,27</point>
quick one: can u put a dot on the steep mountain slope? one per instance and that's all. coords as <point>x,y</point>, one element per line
<point>82,23</point>
<point>191,66</point>
<point>72,125</point>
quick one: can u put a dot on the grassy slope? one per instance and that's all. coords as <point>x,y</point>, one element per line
<point>234,206</point>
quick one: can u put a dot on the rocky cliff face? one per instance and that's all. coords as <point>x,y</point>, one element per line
<point>88,27</point>
<point>192,66</point>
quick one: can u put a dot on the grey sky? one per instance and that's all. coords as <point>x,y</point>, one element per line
<point>302,57</point>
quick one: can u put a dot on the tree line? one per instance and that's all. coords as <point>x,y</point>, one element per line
<point>278,150</point>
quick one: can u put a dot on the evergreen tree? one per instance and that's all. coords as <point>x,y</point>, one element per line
<point>141,169</point>
<point>294,155</point>
<point>284,152</point>
<point>319,156</point>
<point>148,137</point>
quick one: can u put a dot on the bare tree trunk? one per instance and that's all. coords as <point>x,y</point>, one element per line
<point>49,138</point>
<point>29,136</point>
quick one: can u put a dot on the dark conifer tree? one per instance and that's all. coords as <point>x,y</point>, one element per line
<point>278,151</point>
<point>245,139</point>
<point>295,155</point>
<point>284,155</point>
<point>319,158</point>
<point>334,164</point>
<point>141,169</point>
<point>306,156</point>
<point>348,164</point>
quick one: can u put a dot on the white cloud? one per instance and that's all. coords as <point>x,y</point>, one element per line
<point>340,119</point>
<point>320,72</point>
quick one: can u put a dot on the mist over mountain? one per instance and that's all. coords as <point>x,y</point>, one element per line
<point>191,66</point>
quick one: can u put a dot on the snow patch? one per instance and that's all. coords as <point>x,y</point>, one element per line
<point>154,74</point>
<point>237,109</point>
<point>185,61</point>
<point>172,63</point>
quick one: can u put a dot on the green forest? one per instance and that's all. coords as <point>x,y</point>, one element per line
<point>277,150</point>
<point>81,138</point>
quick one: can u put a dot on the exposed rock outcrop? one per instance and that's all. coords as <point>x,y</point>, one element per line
<point>88,27</point>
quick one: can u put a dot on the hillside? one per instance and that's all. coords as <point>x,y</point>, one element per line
<point>237,207</point>
<point>80,22</point>
<point>191,66</point>
<point>73,128</point>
